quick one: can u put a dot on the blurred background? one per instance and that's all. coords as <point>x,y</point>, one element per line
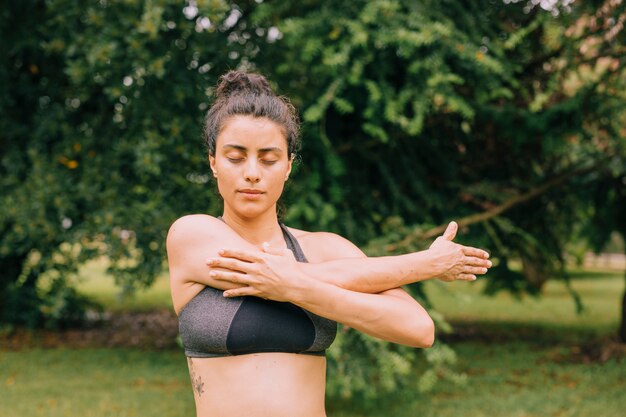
<point>506,116</point>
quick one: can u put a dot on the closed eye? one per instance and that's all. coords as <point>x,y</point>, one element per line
<point>235,160</point>
<point>269,162</point>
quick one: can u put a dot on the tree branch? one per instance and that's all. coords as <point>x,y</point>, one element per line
<point>418,234</point>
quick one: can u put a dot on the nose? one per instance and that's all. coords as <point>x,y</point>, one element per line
<point>251,171</point>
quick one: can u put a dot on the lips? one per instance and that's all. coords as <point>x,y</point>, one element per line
<point>251,191</point>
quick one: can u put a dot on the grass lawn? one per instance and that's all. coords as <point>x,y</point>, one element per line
<point>515,379</point>
<point>529,365</point>
<point>510,379</point>
<point>601,293</point>
<point>94,383</point>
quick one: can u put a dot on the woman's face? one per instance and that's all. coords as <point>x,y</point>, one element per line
<point>251,164</point>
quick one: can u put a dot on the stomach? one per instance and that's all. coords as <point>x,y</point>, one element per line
<point>259,385</point>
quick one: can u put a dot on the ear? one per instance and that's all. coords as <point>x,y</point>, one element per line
<point>289,166</point>
<point>212,164</point>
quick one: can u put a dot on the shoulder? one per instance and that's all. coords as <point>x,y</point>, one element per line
<point>325,246</point>
<point>192,220</point>
<point>193,225</point>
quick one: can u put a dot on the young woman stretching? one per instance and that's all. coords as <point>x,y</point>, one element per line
<point>258,301</point>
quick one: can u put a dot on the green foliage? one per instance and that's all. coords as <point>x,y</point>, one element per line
<point>64,307</point>
<point>363,367</point>
<point>438,110</point>
<point>415,113</point>
<point>101,143</point>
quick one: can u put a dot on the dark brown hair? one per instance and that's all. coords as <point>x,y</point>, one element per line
<point>249,94</point>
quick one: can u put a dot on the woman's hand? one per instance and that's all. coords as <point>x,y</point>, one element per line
<point>458,262</point>
<point>273,274</point>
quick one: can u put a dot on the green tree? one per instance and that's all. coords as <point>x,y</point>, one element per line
<point>415,113</point>
<point>500,115</point>
<point>101,117</point>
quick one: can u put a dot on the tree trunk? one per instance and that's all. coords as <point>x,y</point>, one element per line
<point>622,328</point>
<point>10,270</point>
<point>535,272</point>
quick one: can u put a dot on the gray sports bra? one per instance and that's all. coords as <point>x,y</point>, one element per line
<point>211,325</point>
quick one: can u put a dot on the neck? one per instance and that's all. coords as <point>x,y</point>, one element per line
<point>256,230</point>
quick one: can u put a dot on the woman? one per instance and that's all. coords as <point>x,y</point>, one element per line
<point>258,348</point>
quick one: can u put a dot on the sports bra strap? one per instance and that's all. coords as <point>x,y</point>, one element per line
<point>292,243</point>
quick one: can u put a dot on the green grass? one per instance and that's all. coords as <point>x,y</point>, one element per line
<point>94,383</point>
<point>515,380</point>
<point>524,369</point>
<point>511,379</point>
<point>601,293</point>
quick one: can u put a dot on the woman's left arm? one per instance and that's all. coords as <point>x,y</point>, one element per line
<point>392,315</point>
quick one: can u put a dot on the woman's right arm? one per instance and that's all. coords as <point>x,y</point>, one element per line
<point>190,240</point>
<point>193,239</point>
<point>444,260</point>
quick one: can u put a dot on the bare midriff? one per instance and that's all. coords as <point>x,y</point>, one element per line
<point>259,385</point>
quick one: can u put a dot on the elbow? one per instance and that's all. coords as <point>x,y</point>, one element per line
<point>423,336</point>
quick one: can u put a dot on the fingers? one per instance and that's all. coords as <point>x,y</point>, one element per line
<point>240,292</point>
<point>234,277</point>
<point>475,270</point>
<point>242,255</point>
<point>271,250</point>
<point>275,251</point>
<point>451,230</point>
<point>478,253</point>
<point>467,277</point>
<point>474,261</point>
<point>229,263</point>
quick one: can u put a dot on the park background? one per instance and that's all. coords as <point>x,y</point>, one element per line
<point>506,116</point>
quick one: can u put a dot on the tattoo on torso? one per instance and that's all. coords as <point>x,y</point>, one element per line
<point>196,380</point>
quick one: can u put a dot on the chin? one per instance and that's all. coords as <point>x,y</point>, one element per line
<point>250,211</point>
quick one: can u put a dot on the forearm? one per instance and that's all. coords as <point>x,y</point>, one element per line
<point>374,275</point>
<point>394,318</point>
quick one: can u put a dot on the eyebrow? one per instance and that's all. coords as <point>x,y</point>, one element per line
<point>244,149</point>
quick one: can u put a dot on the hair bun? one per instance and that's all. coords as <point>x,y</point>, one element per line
<point>242,82</point>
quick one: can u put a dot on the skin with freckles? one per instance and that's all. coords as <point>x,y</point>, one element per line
<point>246,254</point>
